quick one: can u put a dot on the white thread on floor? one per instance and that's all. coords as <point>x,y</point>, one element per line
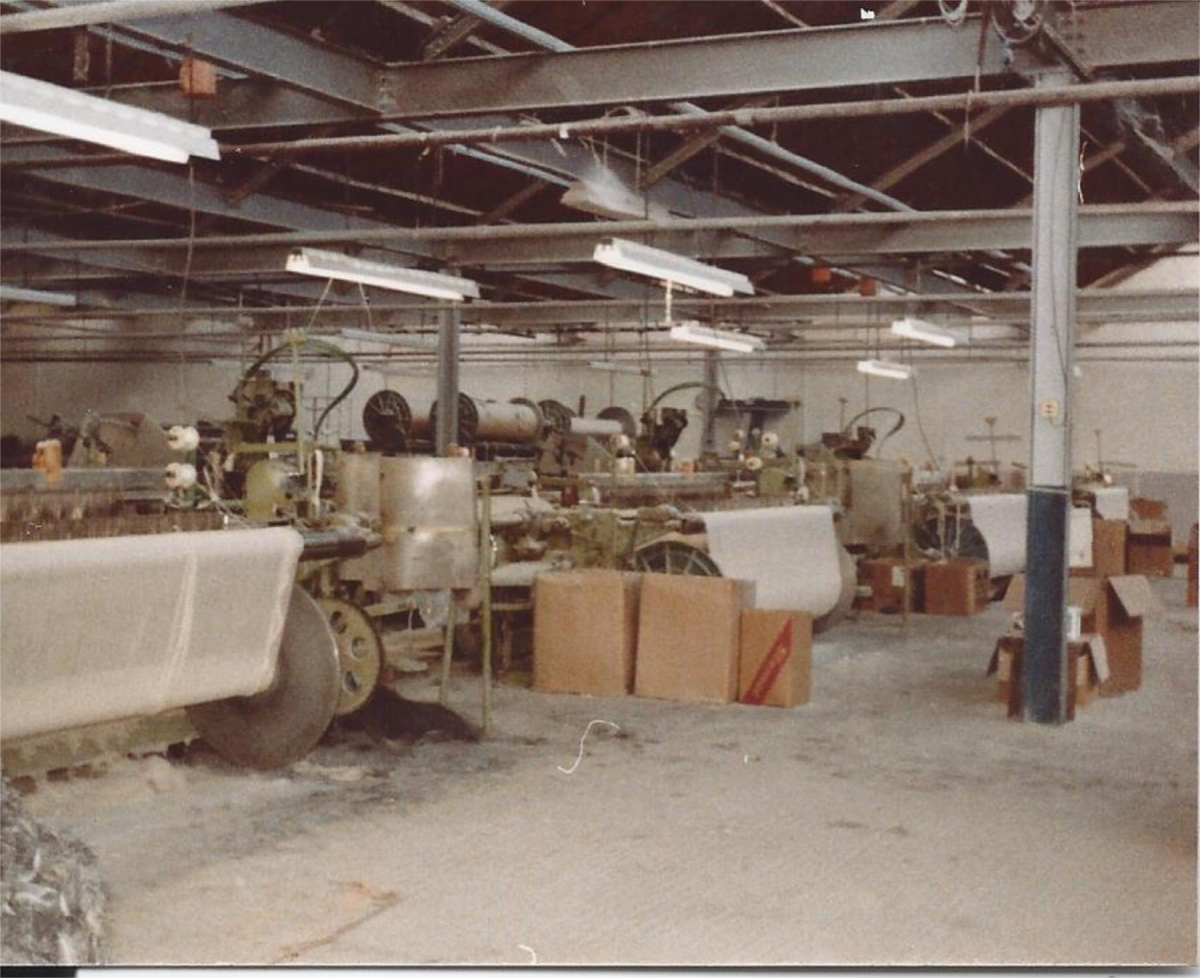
<point>532,952</point>
<point>588,730</point>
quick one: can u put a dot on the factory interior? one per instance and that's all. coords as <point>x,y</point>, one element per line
<point>599,482</point>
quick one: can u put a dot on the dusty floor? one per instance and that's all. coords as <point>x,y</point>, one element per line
<point>898,818</point>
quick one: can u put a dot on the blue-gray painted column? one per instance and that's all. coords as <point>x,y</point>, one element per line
<point>449,333</point>
<point>1055,212</point>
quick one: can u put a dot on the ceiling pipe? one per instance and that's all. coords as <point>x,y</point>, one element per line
<point>511,232</point>
<point>608,125</point>
<point>107,12</point>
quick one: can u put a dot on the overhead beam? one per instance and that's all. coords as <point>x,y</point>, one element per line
<point>783,312</point>
<point>868,54</point>
<point>1100,225</point>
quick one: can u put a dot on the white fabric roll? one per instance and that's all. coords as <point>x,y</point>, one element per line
<point>1001,520</point>
<point>102,629</point>
<point>789,552</point>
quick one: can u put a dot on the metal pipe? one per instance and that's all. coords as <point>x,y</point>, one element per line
<point>1055,205</point>
<point>447,656</point>
<point>328,544</point>
<point>107,12</point>
<point>449,337</point>
<point>965,102</point>
<point>612,125</point>
<point>608,310</point>
<point>485,563</point>
<point>514,232</point>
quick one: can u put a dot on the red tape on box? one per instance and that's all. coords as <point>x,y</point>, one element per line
<point>772,665</point>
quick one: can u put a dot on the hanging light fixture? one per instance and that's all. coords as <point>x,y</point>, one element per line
<point>668,267</point>
<point>885,368</point>
<point>920,330</point>
<point>721,339</point>
<point>66,112</point>
<point>332,264</point>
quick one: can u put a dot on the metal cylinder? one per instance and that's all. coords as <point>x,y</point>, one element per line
<point>495,421</point>
<point>358,483</point>
<point>428,509</point>
<point>596,427</point>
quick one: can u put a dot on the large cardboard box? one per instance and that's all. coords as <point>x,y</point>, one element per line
<point>957,587</point>
<point>689,637</point>
<point>1150,548</point>
<point>585,632</point>
<point>1112,610</point>
<point>1110,539</point>
<point>776,658</point>
<point>885,577</point>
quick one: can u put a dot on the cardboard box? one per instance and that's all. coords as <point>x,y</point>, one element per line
<point>585,632</point>
<point>1141,508</point>
<point>1085,660</point>
<point>885,577</point>
<point>775,662</point>
<point>1126,601</point>
<point>1149,549</point>
<point>689,637</point>
<point>957,587</point>
<point>1113,611</point>
<point>1110,540</point>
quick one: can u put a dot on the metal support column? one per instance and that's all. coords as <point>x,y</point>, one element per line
<point>449,333</point>
<point>708,438</point>
<point>1055,213</point>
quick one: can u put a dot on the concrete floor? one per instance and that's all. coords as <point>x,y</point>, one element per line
<point>898,818</point>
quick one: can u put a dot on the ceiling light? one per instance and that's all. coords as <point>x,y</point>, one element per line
<point>332,264</point>
<point>918,329</point>
<point>885,368</point>
<point>11,293</point>
<point>65,112</point>
<point>614,367</point>
<point>721,339</point>
<point>632,257</point>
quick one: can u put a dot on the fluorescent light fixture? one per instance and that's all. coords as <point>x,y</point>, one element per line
<point>613,367</point>
<point>11,293</point>
<point>721,339</point>
<point>608,197</point>
<point>885,368</point>
<point>65,112</point>
<point>644,260</point>
<point>332,264</point>
<point>918,329</point>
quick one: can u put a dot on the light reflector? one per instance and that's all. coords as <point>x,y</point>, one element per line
<point>630,256</point>
<point>12,293</point>
<point>918,329</point>
<point>693,332</point>
<point>885,368</point>
<point>332,264</point>
<point>64,112</point>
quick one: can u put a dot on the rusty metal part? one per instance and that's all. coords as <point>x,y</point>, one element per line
<point>360,653</point>
<point>283,723</point>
